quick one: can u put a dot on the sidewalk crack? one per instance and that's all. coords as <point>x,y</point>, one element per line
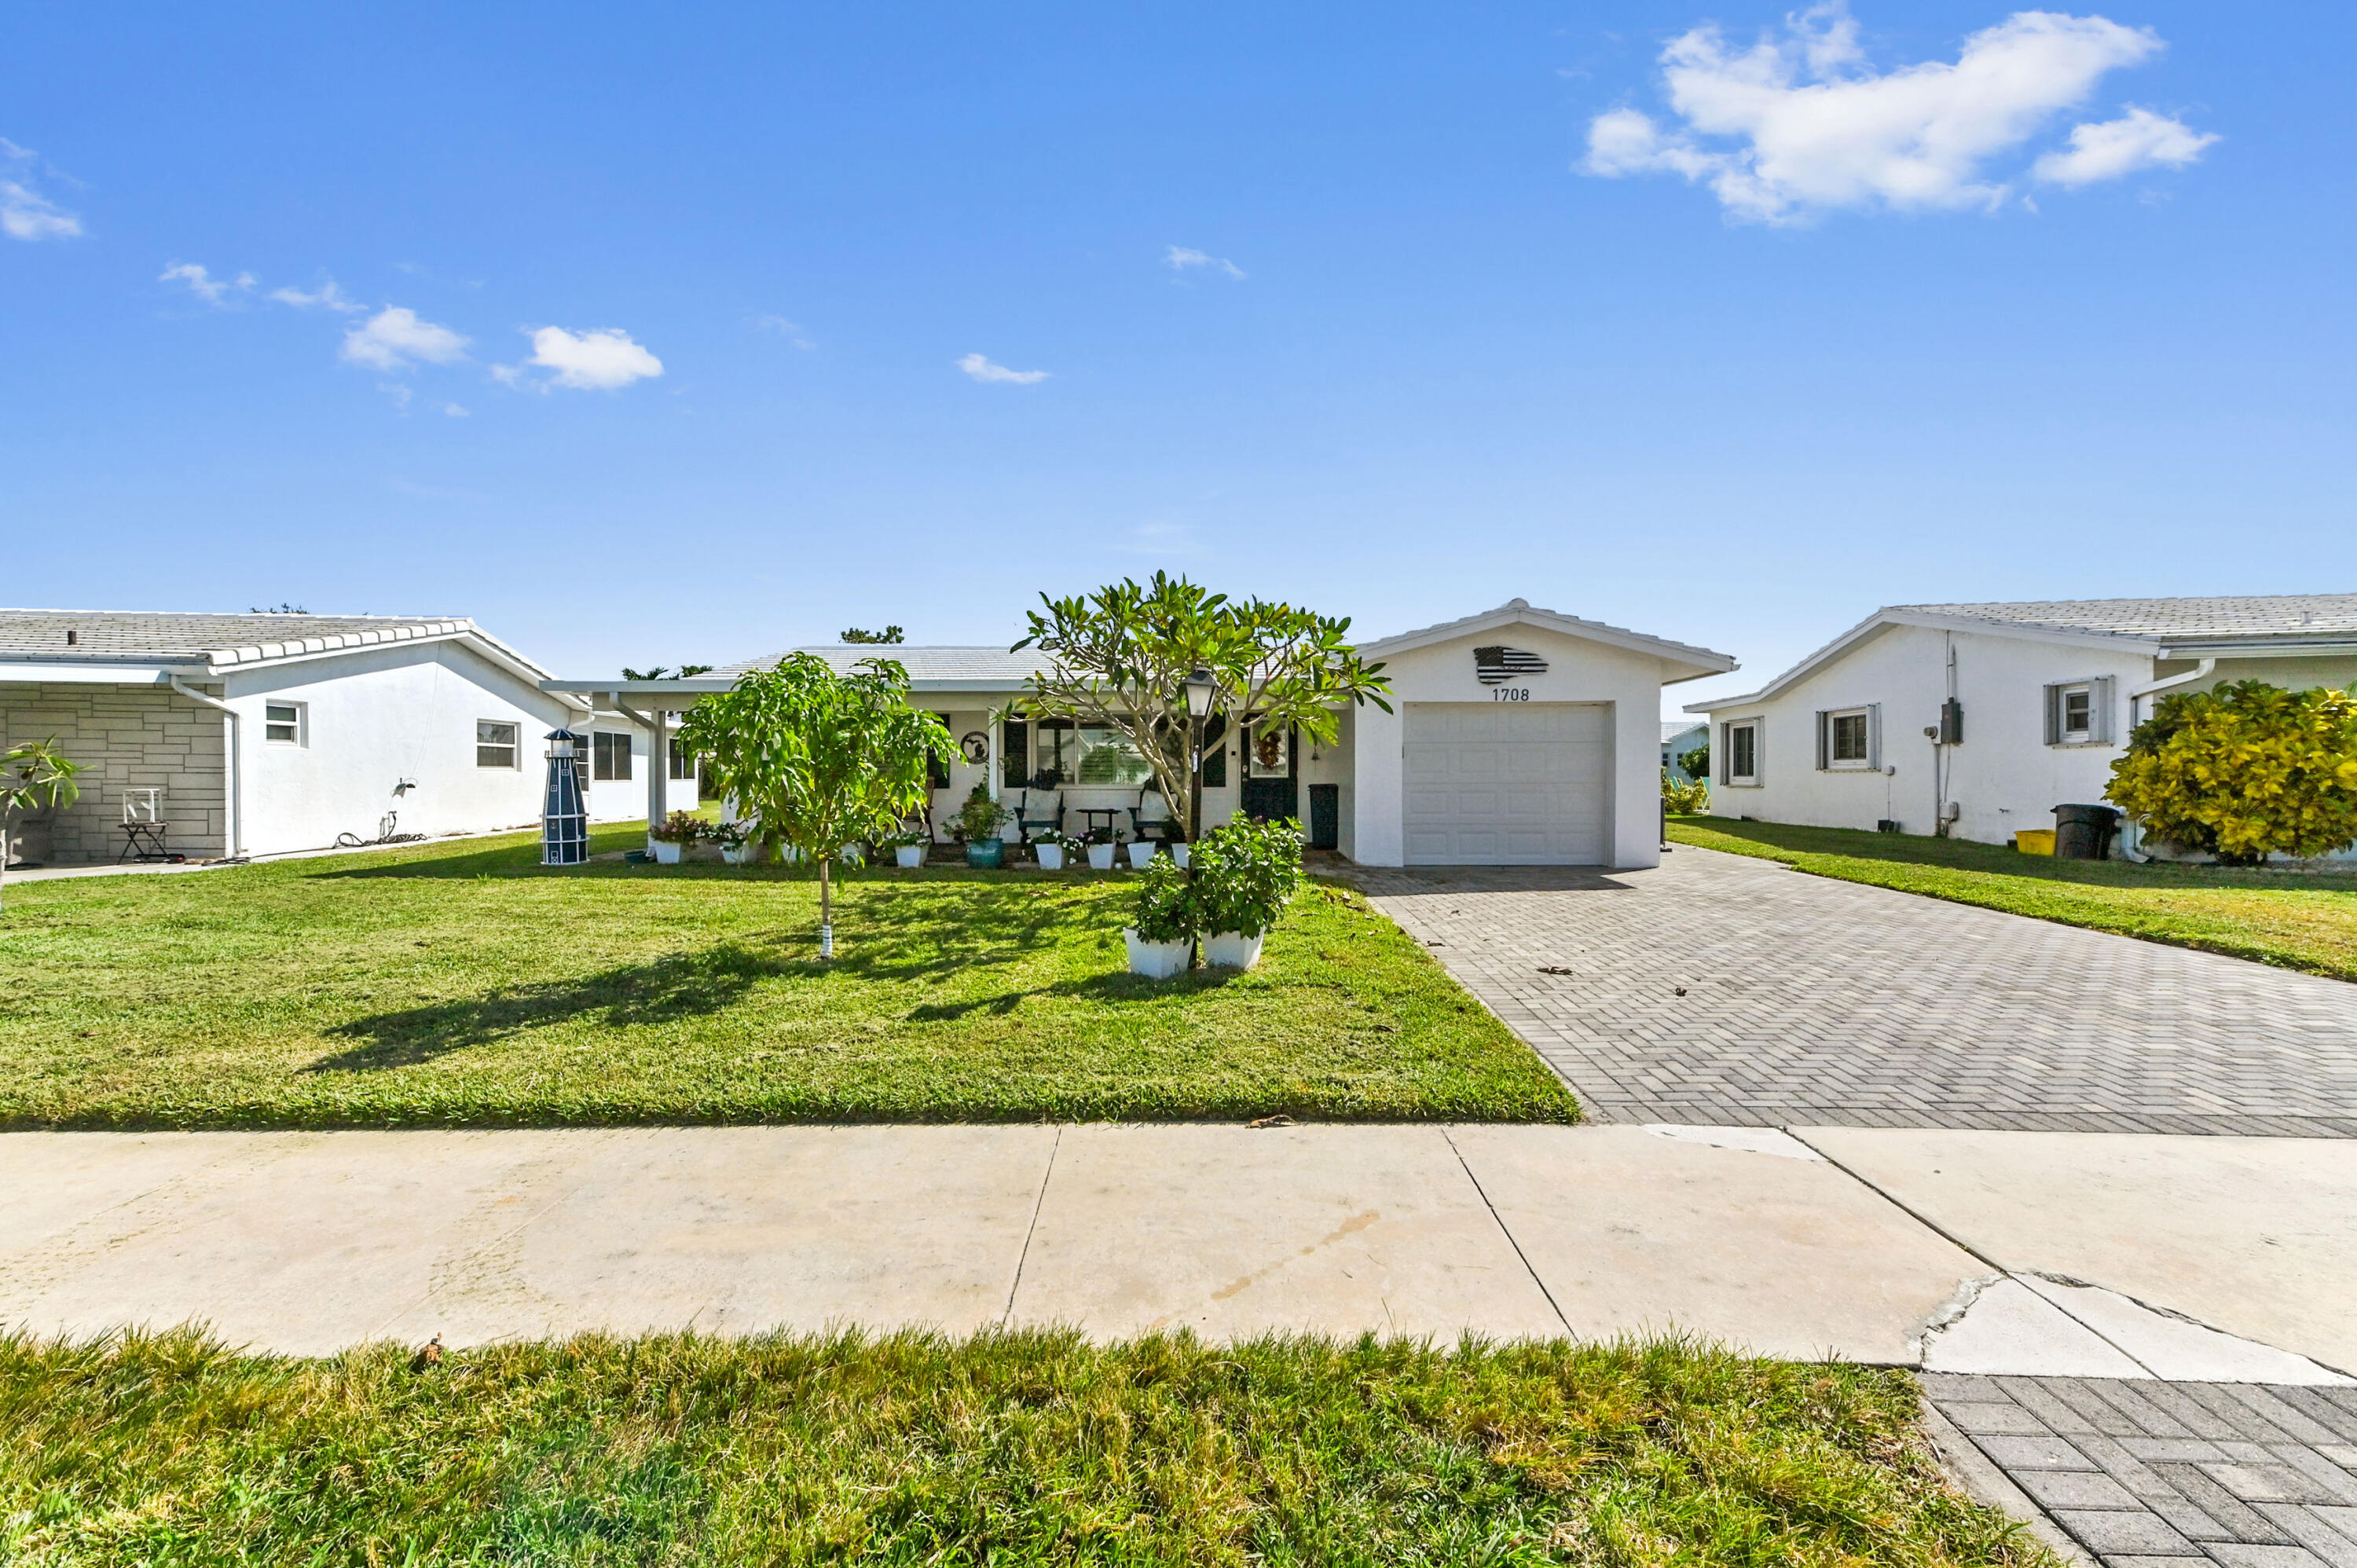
<point>1037,1204</point>
<point>1552,1305</point>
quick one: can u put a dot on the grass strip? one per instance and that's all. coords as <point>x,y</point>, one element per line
<point>2303,921</point>
<point>1029,1447</point>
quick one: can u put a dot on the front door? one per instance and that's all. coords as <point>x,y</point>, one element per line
<point>1272,785</point>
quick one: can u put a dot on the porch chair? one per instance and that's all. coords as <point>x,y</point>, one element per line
<point>1040,810</point>
<point>1160,828</point>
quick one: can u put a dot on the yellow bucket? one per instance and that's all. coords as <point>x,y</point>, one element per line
<point>2035,840</point>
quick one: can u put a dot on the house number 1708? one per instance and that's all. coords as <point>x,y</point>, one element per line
<point>1510,693</point>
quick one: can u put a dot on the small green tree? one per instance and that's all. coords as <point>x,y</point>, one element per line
<point>1684,796</point>
<point>1120,657</point>
<point>2245,771</point>
<point>861,634</point>
<point>34,775</point>
<point>821,758</point>
<point>1695,762</point>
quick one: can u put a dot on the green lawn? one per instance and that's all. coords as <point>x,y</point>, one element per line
<point>2296,919</point>
<point>1024,1448</point>
<point>462,984</point>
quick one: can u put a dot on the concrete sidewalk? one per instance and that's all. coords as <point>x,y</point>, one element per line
<point>1966,1251</point>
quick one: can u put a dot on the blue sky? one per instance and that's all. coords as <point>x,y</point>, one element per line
<point>1729,335</point>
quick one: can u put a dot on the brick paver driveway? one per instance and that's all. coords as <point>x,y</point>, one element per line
<point>1811,1001</point>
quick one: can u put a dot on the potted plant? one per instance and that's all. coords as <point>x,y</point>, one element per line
<point>669,841</point>
<point>740,842</point>
<point>1053,849</point>
<point>1100,853</point>
<point>978,822</point>
<point>908,846</point>
<point>1161,935</point>
<point>1245,873</point>
<point>1141,854</point>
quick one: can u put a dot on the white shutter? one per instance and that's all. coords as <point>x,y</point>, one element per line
<point>2099,709</point>
<point>2054,715</point>
<point>1874,736</point>
<point>1759,749</point>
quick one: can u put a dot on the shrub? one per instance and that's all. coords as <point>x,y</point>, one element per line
<point>2245,771</point>
<point>907,837</point>
<point>1245,872</point>
<point>1695,762</point>
<point>1684,798</point>
<point>680,828</point>
<point>981,816</point>
<point>1167,908</point>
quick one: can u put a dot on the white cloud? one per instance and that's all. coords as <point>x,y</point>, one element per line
<point>393,339</point>
<point>2138,139</point>
<point>327,296</point>
<point>399,393</point>
<point>789,330</point>
<point>25,213</point>
<point>202,283</point>
<point>600,359</point>
<point>454,411</point>
<point>982,370</point>
<point>1800,122</point>
<point>1181,258</point>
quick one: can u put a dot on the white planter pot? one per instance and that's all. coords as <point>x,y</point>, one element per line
<point>1232,950</point>
<point>738,853</point>
<point>1051,856</point>
<point>1181,853</point>
<point>1141,855</point>
<point>1100,858</point>
<point>908,857</point>
<point>664,854</point>
<point>850,854</point>
<point>1156,961</point>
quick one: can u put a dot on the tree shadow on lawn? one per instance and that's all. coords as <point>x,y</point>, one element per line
<point>894,947</point>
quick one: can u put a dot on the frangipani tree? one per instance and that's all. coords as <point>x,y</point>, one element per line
<point>821,759</point>
<point>34,775</point>
<point>1121,657</point>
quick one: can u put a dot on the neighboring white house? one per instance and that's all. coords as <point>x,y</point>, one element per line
<point>1519,737</point>
<point>264,734</point>
<point>1988,716</point>
<point>1679,741</point>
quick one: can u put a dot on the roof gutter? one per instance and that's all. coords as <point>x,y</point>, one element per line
<point>236,764</point>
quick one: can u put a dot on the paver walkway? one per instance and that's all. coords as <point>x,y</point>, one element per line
<point>2154,1475</point>
<point>1723,989</point>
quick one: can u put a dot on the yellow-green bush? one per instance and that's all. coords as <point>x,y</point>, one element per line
<point>1684,798</point>
<point>2245,771</point>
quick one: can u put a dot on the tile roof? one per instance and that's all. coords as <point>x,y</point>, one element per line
<point>1671,728</point>
<point>223,638</point>
<point>2274,615</point>
<point>924,664</point>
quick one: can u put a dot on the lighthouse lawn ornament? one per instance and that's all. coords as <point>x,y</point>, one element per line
<point>563,815</point>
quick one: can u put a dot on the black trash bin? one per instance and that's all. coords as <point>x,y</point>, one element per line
<point>2084,833</point>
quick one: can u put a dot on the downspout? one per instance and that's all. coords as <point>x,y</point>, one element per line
<point>236,764</point>
<point>2131,836</point>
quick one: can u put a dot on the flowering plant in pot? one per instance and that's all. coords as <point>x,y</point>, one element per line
<point>1053,849</point>
<point>1101,849</point>
<point>670,838</point>
<point>978,822</point>
<point>740,841</point>
<point>908,846</point>
<point>1245,874</point>
<point>1164,920</point>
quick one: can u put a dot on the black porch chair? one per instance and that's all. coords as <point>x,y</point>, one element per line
<point>1040,810</point>
<point>1161,828</point>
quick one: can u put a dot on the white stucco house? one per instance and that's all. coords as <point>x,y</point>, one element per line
<point>1518,736</point>
<point>1986,716</point>
<point>266,734</point>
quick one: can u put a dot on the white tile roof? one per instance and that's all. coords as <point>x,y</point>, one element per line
<point>1671,729</point>
<point>2273,615</point>
<point>924,664</point>
<point>218,638</point>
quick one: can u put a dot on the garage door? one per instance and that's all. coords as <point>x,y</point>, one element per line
<point>1507,784</point>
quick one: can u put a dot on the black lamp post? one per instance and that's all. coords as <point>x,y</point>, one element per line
<point>1200,690</point>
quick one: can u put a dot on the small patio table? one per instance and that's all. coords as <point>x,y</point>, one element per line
<point>1093,815</point>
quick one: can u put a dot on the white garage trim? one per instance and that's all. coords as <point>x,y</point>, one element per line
<point>1507,784</point>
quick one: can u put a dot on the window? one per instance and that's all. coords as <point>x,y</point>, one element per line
<point>1094,755</point>
<point>683,761</point>
<point>609,755</point>
<point>495,743</point>
<point>2079,712</point>
<point>1741,749</point>
<point>1014,754</point>
<point>1850,738</point>
<point>282,723</point>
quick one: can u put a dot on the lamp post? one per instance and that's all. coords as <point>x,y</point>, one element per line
<point>1200,690</point>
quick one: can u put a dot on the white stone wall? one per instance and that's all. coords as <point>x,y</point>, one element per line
<point>125,738</point>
